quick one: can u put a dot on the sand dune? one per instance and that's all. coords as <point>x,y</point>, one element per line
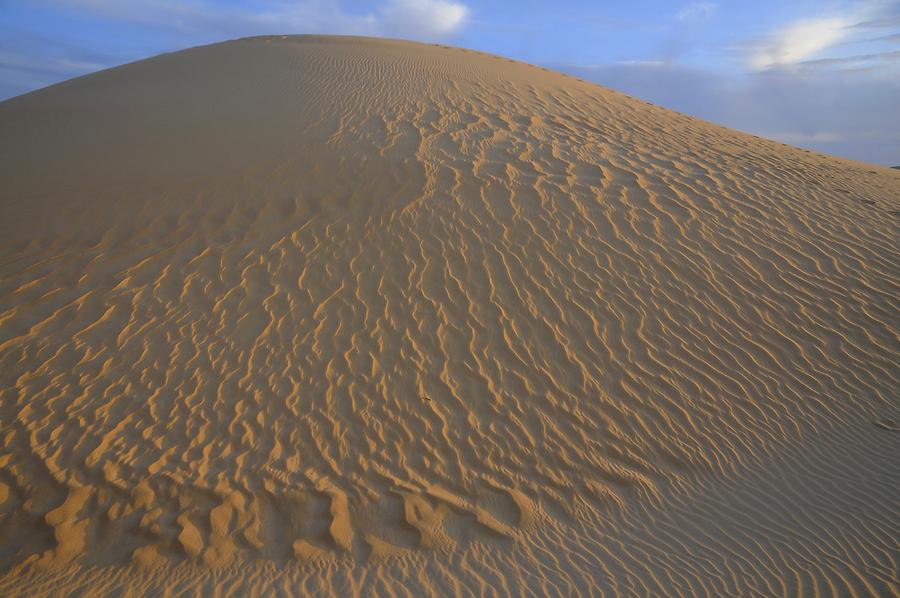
<point>347,316</point>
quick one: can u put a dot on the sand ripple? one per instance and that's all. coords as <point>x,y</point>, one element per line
<point>327,313</point>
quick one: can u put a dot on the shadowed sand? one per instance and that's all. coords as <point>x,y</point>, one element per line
<point>352,316</point>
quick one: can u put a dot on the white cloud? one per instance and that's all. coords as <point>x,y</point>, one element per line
<point>419,19</point>
<point>829,36</point>
<point>799,41</point>
<point>696,12</point>
<point>423,17</point>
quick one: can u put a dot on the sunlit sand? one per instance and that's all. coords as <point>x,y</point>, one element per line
<point>358,317</point>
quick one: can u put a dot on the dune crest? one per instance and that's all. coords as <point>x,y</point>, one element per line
<point>349,315</point>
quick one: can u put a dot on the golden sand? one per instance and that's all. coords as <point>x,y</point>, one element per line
<point>349,316</point>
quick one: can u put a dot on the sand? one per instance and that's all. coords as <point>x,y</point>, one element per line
<point>349,316</point>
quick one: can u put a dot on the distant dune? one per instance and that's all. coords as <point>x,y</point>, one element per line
<point>358,317</point>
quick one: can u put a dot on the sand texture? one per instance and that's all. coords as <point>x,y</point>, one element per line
<point>351,317</point>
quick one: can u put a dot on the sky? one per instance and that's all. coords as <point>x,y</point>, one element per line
<point>819,74</point>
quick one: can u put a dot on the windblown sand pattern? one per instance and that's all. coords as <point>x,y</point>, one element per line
<point>348,316</point>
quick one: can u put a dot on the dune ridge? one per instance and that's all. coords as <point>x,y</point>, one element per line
<point>352,315</point>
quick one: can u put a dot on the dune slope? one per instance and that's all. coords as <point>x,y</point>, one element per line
<point>347,316</point>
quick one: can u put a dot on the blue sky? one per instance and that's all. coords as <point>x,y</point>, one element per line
<point>820,74</point>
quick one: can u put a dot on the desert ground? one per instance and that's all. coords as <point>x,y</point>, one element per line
<point>346,316</point>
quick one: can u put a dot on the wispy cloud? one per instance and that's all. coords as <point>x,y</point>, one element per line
<point>57,66</point>
<point>855,62</point>
<point>418,19</point>
<point>796,138</point>
<point>20,73</point>
<point>638,63</point>
<point>798,41</point>
<point>696,12</point>
<point>882,21</point>
<point>809,39</point>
